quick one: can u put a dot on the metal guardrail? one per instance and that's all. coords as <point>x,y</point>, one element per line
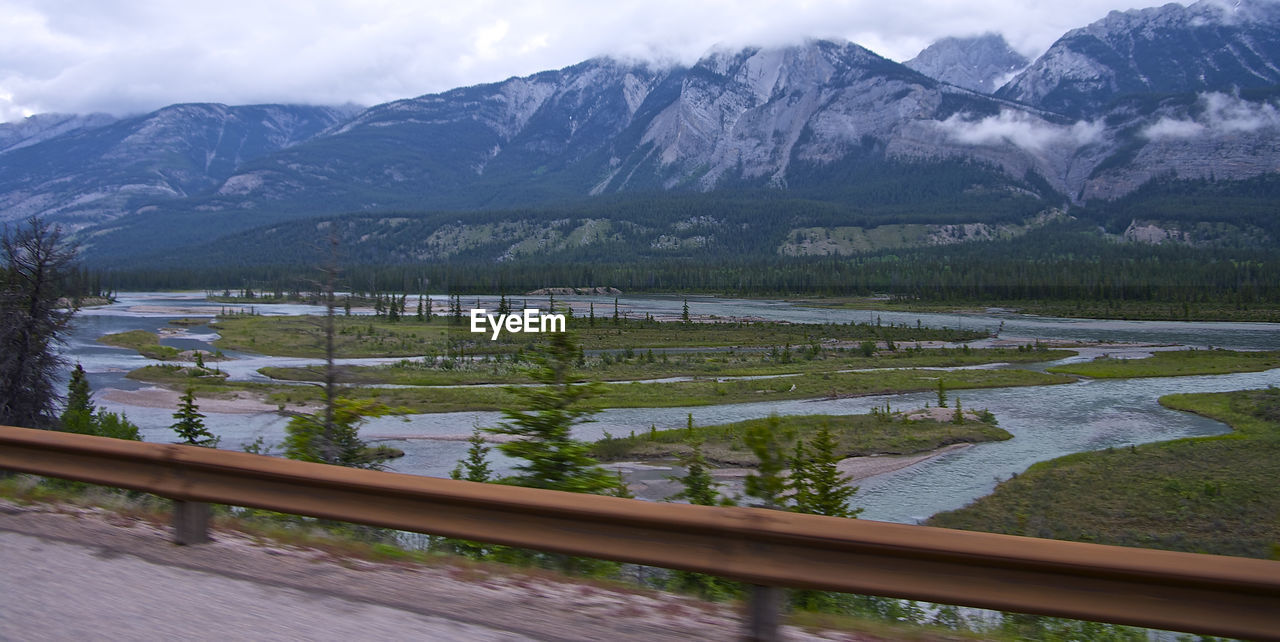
<point>1206,594</point>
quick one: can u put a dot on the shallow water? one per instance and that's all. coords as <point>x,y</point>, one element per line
<point>1046,422</point>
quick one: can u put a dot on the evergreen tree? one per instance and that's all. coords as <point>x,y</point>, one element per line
<point>615,310</point>
<point>591,314</point>
<point>766,484</point>
<point>79,397</point>
<point>542,421</point>
<point>190,423</point>
<point>817,485</point>
<point>475,467</point>
<point>942,394</point>
<point>684,313</point>
<point>79,416</point>
<point>504,308</point>
<point>697,485</point>
<point>419,315</point>
<point>336,439</point>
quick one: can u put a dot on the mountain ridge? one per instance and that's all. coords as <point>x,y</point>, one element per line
<point>821,121</point>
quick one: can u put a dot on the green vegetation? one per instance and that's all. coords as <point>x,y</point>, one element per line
<point>1174,363</point>
<point>366,337</point>
<point>168,373</point>
<point>694,393</point>
<point>852,435</point>
<point>1210,495</point>
<point>646,365</point>
<point>190,423</point>
<point>541,418</point>
<point>79,416</point>
<point>146,343</point>
<point>334,437</point>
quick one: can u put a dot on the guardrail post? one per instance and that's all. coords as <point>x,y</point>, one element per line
<point>764,607</point>
<point>190,522</point>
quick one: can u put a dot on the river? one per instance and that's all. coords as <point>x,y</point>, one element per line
<point>1046,422</point>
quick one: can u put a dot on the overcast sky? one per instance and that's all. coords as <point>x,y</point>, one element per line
<point>131,56</point>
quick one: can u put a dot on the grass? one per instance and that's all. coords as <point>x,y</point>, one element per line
<point>1174,363</point>
<point>856,435</point>
<point>695,393</point>
<point>1206,495</point>
<point>365,336</point>
<point>645,365</point>
<point>177,375</point>
<point>145,343</point>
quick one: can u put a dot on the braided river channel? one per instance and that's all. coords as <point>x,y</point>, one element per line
<point>1047,421</point>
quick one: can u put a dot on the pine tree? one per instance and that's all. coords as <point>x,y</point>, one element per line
<point>766,483</point>
<point>942,394</point>
<point>79,397</point>
<point>818,487</point>
<point>700,488</point>
<point>542,423</point>
<point>684,314</point>
<point>333,437</point>
<point>615,310</point>
<point>190,423</point>
<point>475,468</point>
<point>697,485</point>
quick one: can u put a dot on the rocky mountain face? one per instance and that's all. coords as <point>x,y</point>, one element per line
<point>41,127</point>
<point>85,170</point>
<point>980,63</point>
<point>1212,45</point>
<point>1182,92</point>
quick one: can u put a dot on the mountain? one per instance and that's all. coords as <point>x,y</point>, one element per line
<point>602,126</point>
<point>839,148</point>
<point>1210,46</point>
<point>41,127</point>
<point>981,63</point>
<point>77,173</point>
<point>823,120</point>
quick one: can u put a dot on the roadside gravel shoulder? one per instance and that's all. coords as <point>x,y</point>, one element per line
<point>478,603</point>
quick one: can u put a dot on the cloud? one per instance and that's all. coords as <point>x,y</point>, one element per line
<point>1021,130</point>
<point>124,56</point>
<point>1219,114</point>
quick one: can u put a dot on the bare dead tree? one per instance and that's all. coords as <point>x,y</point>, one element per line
<point>32,322</point>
